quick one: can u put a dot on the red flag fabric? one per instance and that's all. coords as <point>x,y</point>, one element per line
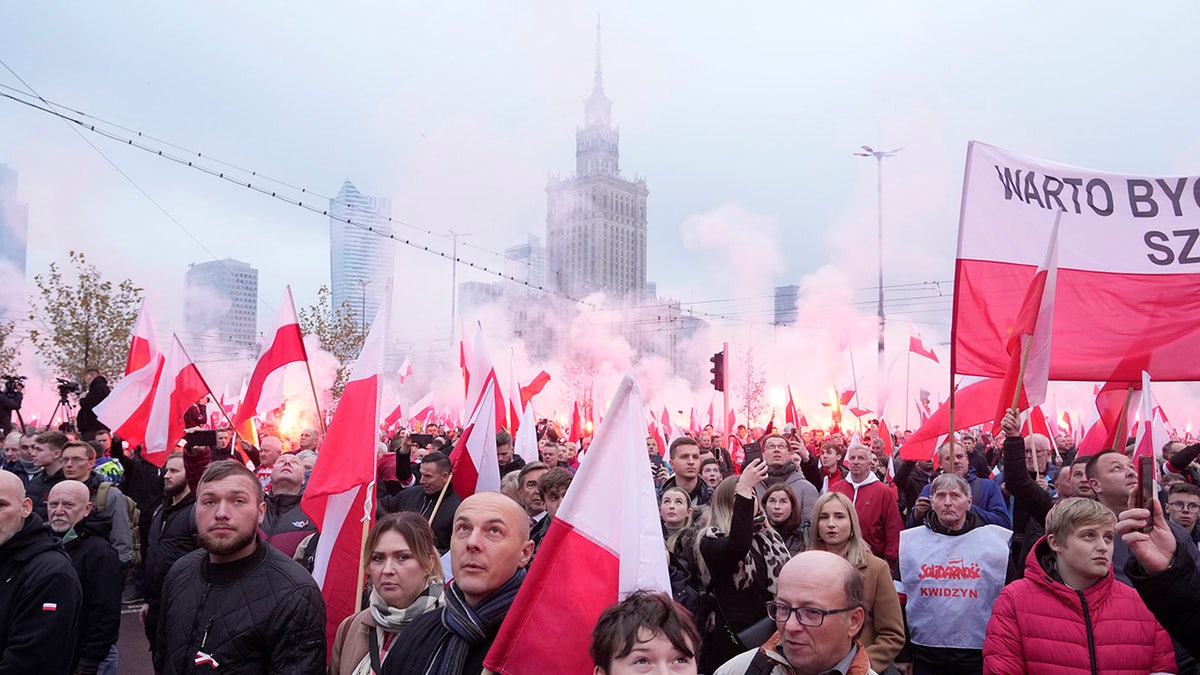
<point>973,404</point>
<point>473,463</point>
<point>693,422</point>
<point>179,387</point>
<point>339,497</point>
<point>515,407</point>
<point>731,422</point>
<point>859,412</point>
<point>1031,336</point>
<point>422,409</point>
<point>405,370</point>
<point>126,410</point>
<point>918,346</point>
<point>710,414</point>
<point>606,538</point>
<point>1110,402</point>
<point>652,431</point>
<point>576,425</point>
<point>790,414</point>
<point>482,375</point>
<point>284,345</point>
<point>535,387</point>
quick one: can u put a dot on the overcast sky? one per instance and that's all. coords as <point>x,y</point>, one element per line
<point>743,119</point>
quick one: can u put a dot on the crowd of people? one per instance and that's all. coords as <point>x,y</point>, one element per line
<point>789,551</point>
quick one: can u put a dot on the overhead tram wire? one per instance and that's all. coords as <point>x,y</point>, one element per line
<point>112,164</point>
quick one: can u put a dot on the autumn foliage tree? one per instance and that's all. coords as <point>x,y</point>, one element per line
<point>338,331</point>
<point>10,349</point>
<point>82,320</point>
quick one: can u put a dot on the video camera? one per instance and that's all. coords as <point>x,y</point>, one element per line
<point>66,387</point>
<point>11,382</point>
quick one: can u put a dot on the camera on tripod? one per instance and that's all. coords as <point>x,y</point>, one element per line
<point>66,387</point>
<point>11,382</point>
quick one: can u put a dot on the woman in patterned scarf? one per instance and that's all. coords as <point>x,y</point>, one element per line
<point>406,581</point>
<point>740,557</point>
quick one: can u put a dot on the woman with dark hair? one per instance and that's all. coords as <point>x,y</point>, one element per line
<point>783,512</point>
<point>406,581</point>
<point>740,556</point>
<point>645,632</point>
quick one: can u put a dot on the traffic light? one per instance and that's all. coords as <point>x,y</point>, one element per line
<point>718,371</point>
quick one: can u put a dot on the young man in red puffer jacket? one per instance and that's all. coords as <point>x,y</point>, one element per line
<point>1068,615</point>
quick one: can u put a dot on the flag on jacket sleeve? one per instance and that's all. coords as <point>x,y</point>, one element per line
<point>126,410</point>
<point>339,496</point>
<point>284,345</point>
<point>606,539</point>
<point>1029,339</point>
<point>179,387</point>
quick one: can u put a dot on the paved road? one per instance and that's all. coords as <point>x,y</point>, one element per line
<point>133,652</point>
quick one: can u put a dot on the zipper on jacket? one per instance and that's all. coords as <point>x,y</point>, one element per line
<point>1091,639</point>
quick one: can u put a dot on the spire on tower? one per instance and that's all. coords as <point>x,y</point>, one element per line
<point>598,77</point>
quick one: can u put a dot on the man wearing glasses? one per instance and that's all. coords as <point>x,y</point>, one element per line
<point>818,609</point>
<point>1183,508</point>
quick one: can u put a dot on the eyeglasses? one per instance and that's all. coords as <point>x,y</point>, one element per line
<point>1184,506</point>
<point>75,460</point>
<point>807,616</point>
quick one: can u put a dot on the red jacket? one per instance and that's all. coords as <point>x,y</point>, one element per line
<point>1038,626</point>
<point>878,515</point>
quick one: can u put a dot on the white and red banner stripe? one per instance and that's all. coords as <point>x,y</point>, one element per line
<point>1126,260</point>
<point>285,345</point>
<point>179,387</point>
<point>126,410</point>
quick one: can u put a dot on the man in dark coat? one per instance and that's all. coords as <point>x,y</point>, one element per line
<point>286,524</point>
<point>84,533</point>
<point>171,535</point>
<point>423,498</point>
<point>40,596</point>
<point>238,605</point>
<point>97,390</point>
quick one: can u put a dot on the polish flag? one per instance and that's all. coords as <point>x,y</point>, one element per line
<point>481,376</point>
<point>339,495</point>
<point>606,538</point>
<point>710,414</point>
<point>790,414</point>
<point>393,417</point>
<point>652,431</point>
<point>973,404</point>
<point>1035,423</point>
<point>422,409</point>
<point>1112,418</point>
<point>1121,259</point>
<point>576,425</point>
<point>889,447</point>
<point>918,346</point>
<point>179,387</point>
<point>693,422</point>
<point>525,442</point>
<point>731,422</point>
<point>535,387</point>
<point>473,463</point>
<point>126,410</point>
<point>515,406</point>
<point>405,369</point>
<point>1030,338</point>
<point>285,345</point>
<point>1152,434</point>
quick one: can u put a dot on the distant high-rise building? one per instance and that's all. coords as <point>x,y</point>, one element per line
<point>596,219</point>
<point>785,305</point>
<point>221,302</point>
<point>527,262</point>
<point>14,236</point>
<point>360,260</point>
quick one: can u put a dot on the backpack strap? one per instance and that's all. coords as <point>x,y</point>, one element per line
<point>102,495</point>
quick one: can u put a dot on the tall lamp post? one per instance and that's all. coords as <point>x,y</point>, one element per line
<point>868,151</point>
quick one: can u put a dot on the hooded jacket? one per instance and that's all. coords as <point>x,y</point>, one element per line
<point>878,514</point>
<point>39,602</point>
<point>286,525</point>
<point>99,570</point>
<point>1041,625</point>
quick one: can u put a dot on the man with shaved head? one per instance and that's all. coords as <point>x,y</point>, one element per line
<point>84,532</point>
<point>818,609</point>
<point>489,548</point>
<point>40,596</point>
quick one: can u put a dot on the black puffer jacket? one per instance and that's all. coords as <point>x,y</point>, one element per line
<point>85,419</point>
<point>99,570</point>
<point>286,525</point>
<point>39,602</point>
<point>260,614</point>
<point>172,535</point>
<point>38,488</point>
<point>414,499</point>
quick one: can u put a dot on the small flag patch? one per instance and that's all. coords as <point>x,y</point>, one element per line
<point>49,606</point>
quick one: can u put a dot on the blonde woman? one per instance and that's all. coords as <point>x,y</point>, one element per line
<point>835,529</point>
<point>406,581</point>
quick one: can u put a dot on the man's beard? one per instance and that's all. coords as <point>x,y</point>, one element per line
<point>229,546</point>
<point>174,490</point>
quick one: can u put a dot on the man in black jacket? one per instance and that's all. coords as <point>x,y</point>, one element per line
<point>423,498</point>
<point>40,596</point>
<point>286,524</point>
<point>84,533</point>
<point>172,534</point>
<point>238,605</point>
<point>97,390</point>
<point>47,455</point>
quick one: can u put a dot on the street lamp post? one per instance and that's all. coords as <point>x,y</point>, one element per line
<point>868,151</point>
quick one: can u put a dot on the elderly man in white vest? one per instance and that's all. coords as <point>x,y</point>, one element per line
<point>953,568</point>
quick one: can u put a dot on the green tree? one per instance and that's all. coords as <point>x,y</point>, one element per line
<point>10,349</point>
<point>338,332</point>
<point>82,321</point>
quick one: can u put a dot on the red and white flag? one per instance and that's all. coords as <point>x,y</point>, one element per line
<point>606,538</point>
<point>126,410</point>
<point>918,346</point>
<point>339,496</point>
<point>535,387</point>
<point>405,369</point>
<point>973,404</point>
<point>1030,337</point>
<point>1152,433</point>
<point>179,387</point>
<point>576,425</point>
<point>525,440</point>
<point>790,414</point>
<point>473,462</point>
<point>1113,418</point>
<point>284,345</point>
<point>481,376</point>
<point>1122,262</point>
<point>515,406</point>
<point>421,410</point>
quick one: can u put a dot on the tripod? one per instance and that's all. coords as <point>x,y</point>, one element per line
<point>67,407</point>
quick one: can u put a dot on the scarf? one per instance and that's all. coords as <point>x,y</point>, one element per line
<point>394,620</point>
<point>470,626</point>
<point>766,545</point>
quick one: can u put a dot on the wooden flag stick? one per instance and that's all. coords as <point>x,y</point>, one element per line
<point>368,506</point>
<point>1119,433</point>
<point>1021,373</point>
<point>441,496</point>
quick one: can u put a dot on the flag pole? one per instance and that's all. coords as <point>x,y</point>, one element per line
<point>362,553</point>
<point>1118,442</point>
<point>441,496</point>
<point>1021,372</point>
<point>907,385</point>
<point>316,400</point>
